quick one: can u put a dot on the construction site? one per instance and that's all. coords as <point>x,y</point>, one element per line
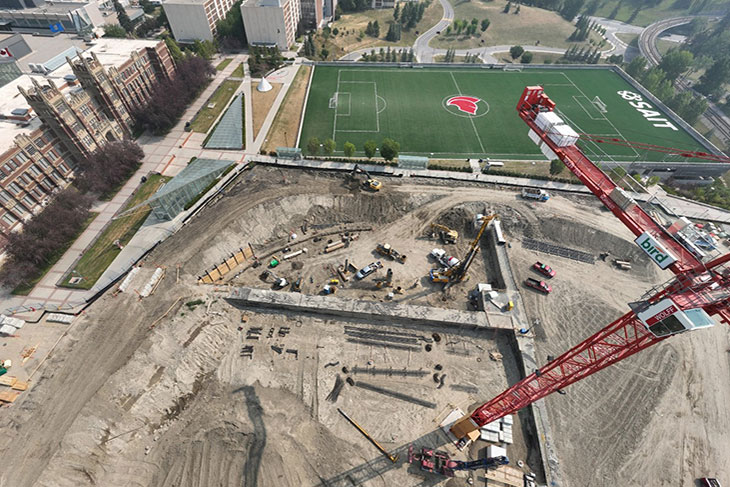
<point>343,328</point>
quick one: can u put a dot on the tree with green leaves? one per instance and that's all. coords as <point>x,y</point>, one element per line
<point>349,149</point>
<point>556,167</point>
<point>175,51</point>
<point>329,147</point>
<point>713,79</point>
<point>675,62</point>
<point>122,17</point>
<point>517,10</point>
<point>313,146</point>
<point>229,30</point>
<point>396,12</point>
<point>370,147</point>
<point>393,32</point>
<point>485,24</point>
<point>636,67</point>
<point>324,53</point>
<point>526,57</point>
<point>389,149</point>
<point>507,7</point>
<point>516,51</point>
<point>114,30</point>
<point>205,49</point>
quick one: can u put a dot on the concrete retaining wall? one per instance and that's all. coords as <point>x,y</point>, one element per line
<point>391,312</point>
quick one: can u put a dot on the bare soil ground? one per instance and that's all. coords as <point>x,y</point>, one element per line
<point>261,104</point>
<point>283,131</point>
<point>119,403</point>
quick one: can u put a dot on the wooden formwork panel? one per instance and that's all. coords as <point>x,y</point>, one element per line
<point>231,263</point>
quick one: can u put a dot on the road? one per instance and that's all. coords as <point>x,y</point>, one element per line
<point>713,117</point>
<point>424,53</point>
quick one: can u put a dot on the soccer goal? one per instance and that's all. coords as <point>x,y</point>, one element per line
<point>599,104</point>
<point>513,67</point>
<point>333,101</point>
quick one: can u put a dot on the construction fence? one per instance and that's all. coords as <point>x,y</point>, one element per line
<point>217,272</point>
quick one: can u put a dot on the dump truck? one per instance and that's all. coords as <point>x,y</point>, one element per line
<point>535,194</point>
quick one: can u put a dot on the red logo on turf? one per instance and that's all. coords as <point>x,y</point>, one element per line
<point>466,104</point>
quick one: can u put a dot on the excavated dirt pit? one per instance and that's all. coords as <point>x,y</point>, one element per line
<point>188,403</point>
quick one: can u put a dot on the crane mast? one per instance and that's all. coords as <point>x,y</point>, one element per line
<point>685,303</point>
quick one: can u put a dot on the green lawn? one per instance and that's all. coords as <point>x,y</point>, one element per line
<point>103,252</point>
<point>528,28</point>
<point>409,105</point>
<point>664,9</point>
<point>218,101</point>
<point>223,64</point>
<point>238,72</point>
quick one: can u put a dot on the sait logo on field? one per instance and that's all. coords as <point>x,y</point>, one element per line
<point>465,105</point>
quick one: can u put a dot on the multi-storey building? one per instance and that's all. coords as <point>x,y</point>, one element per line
<point>195,19</point>
<point>312,13</point>
<point>48,123</point>
<point>271,22</point>
<point>121,81</point>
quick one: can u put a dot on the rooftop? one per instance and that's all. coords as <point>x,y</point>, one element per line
<point>11,99</point>
<point>46,48</point>
<point>110,52</point>
<point>48,8</point>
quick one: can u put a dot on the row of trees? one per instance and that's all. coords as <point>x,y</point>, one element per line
<point>373,29</point>
<point>389,148</point>
<point>660,81</point>
<point>389,56</point>
<point>171,97</point>
<point>49,234</point>
<point>583,28</point>
<point>583,55</point>
<point>467,27</point>
<point>410,15</point>
<point>394,32</point>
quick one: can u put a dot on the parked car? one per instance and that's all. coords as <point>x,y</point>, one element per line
<point>544,269</point>
<point>541,286</point>
<point>368,269</point>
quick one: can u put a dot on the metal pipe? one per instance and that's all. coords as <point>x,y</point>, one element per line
<point>370,438</point>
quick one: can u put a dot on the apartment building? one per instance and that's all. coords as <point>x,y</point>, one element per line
<point>312,13</point>
<point>47,123</point>
<point>271,22</point>
<point>195,19</point>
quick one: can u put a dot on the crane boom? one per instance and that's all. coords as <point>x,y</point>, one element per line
<point>533,102</point>
<point>685,303</point>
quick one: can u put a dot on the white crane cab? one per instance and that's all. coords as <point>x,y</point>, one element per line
<point>666,318</point>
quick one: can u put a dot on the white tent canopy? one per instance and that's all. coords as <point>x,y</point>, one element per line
<point>264,85</point>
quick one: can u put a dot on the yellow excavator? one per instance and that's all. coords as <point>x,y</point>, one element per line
<point>370,183</point>
<point>457,273</point>
<point>447,235</point>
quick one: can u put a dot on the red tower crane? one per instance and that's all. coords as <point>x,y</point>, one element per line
<point>685,303</point>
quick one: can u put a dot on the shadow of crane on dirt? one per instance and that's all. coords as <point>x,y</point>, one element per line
<point>256,449</point>
<point>380,465</point>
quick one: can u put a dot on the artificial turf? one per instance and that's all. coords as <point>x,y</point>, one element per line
<point>409,106</point>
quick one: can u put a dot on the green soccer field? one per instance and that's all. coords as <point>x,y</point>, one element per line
<point>410,105</point>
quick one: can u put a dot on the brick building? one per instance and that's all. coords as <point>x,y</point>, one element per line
<point>49,123</point>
